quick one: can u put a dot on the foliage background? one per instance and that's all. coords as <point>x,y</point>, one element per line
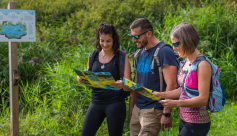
<point>51,102</point>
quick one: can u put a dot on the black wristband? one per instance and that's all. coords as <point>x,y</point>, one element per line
<point>167,114</point>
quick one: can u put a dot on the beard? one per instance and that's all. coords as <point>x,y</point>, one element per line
<point>143,43</point>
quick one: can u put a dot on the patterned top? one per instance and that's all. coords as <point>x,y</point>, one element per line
<point>191,114</point>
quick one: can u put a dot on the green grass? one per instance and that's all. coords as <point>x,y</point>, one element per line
<point>51,102</point>
<point>223,123</point>
<point>66,121</point>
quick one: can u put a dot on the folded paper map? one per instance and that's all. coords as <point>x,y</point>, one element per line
<point>96,79</point>
<point>140,89</point>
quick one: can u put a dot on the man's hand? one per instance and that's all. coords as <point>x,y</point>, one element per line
<point>130,111</point>
<point>165,122</point>
<point>132,101</point>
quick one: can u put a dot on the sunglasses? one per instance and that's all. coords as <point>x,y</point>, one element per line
<point>137,36</point>
<point>176,44</point>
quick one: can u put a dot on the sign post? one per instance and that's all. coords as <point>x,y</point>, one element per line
<point>15,26</point>
<point>13,78</point>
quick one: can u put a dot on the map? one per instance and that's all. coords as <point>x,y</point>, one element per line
<point>140,89</point>
<point>17,25</point>
<point>96,79</point>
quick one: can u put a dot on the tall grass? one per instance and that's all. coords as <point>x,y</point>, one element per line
<point>217,37</point>
<point>51,102</point>
<point>45,111</point>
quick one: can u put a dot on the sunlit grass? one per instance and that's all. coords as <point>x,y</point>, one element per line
<point>51,102</point>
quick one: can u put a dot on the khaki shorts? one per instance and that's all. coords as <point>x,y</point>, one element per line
<point>145,122</point>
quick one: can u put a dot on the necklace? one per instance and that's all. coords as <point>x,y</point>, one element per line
<point>103,64</point>
<point>185,71</point>
<point>194,59</point>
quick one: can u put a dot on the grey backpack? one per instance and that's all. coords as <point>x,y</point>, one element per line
<point>153,61</point>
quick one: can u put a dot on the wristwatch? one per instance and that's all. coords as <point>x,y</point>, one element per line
<point>167,114</point>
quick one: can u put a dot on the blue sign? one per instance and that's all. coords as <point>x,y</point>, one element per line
<point>17,25</point>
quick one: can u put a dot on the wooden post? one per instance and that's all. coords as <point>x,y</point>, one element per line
<point>13,79</point>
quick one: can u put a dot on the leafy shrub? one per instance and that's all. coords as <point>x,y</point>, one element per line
<point>49,93</point>
<point>215,24</point>
<point>50,11</point>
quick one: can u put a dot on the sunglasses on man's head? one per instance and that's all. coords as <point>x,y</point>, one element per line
<point>137,36</point>
<point>176,44</point>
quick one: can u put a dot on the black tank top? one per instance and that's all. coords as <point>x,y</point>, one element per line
<point>106,96</point>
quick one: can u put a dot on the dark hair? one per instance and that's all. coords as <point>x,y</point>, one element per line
<point>144,23</point>
<point>107,29</point>
<point>188,36</point>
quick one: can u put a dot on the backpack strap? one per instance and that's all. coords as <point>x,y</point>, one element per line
<point>158,63</point>
<point>122,56</point>
<point>201,58</point>
<point>92,59</point>
<point>192,92</point>
<point>135,63</point>
<point>181,63</point>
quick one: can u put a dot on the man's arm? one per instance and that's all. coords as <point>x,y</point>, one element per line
<point>169,73</point>
<point>133,98</point>
<point>132,101</point>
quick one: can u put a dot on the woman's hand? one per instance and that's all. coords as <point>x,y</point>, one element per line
<point>118,84</point>
<point>80,80</point>
<point>157,94</point>
<point>169,104</point>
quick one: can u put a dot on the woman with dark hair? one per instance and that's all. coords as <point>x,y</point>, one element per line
<point>194,78</point>
<point>106,103</point>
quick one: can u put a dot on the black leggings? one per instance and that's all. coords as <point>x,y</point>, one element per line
<point>193,129</point>
<point>115,114</point>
